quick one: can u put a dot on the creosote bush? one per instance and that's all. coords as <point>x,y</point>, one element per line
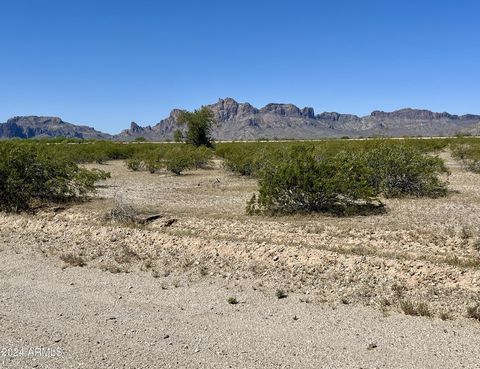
<point>179,160</point>
<point>174,158</point>
<point>30,177</point>
<point>467,150</point>
<point>307,178</point>
<point>398,170</point>
<point>305,182</point>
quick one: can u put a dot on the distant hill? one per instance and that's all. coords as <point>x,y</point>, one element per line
<point>45,127</point>
<point>242,121</point>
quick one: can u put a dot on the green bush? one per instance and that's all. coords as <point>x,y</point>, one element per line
<point>467,150</point>
<point>30,177</point>
<point>134,164</point>
<point>179,159</point>
<point>304,182</point>
<point>400,170</point>
<point>202,157</point>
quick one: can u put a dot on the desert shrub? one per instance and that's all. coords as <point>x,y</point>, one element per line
<point>153,159</point>
<point>152,164</point>
<point>179,159</point>
<point>468,152</point>
<point>201,156</point>
<point>247,159</point>
<point>400,170</point>
<point>245,164</point>
<point>29,177</point>
<point>304,182</point>
<point>134,164</point>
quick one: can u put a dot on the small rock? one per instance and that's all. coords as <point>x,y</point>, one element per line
<point>276,257</point>
<point>372,346</point>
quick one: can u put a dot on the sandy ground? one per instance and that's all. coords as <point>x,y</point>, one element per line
<point>346,279</point>
<point>91,319</point>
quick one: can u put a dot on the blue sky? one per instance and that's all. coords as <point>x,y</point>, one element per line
<point>106,63</point>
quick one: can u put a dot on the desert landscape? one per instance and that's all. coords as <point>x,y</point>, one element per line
<point>256,184</point>
<point>206,285</point>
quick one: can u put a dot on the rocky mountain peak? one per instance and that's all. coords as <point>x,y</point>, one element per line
<point>37,120</point>
<point>39,126</point>
<point>228,109</point>
<point>135,128</point>
<point>288,110</point>
<point>412,114</point>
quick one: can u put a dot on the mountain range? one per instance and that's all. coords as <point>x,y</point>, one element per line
<point>242,121</point>
<point>45,127</point>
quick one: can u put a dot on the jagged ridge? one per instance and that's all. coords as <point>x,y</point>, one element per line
<point>244,121</point>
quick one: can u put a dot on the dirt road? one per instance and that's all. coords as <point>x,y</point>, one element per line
<point>87,318</point>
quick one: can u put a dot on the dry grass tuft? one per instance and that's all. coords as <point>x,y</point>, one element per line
<point>445,316</point>
<point>73,260</point>
<point>281,294</point>
<point>125,214</point>
<point>415,308</point>
<point>232,301</point>
<point>122,213</point>
<point>474,311</point>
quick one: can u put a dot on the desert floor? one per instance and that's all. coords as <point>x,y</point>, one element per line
<point>155,296</point>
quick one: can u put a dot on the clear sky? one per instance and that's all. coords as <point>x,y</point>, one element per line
<point>106,63</point>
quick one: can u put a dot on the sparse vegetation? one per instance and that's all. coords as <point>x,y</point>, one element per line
<point>473,311</point>
<point>445,316</point>
<point>232,301</point>
<point>304,182</point>
<point>134,164</point>
<point>280,293</point>
<point>415,308</point>
<point>419,248</point>
<point>467,151</point>
<point>328,177</point>
<point>73,260</point>
<point>123,213</point>
<point>30,177</point>
<point>398,170</point>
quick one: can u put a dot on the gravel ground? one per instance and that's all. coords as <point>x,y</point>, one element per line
<point>91,319</point>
